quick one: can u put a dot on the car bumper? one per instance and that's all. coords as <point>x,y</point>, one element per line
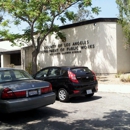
<point>83,90</point>
<point>24,104</point>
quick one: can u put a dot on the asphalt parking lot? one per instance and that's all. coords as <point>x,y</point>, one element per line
<point>104,111</point>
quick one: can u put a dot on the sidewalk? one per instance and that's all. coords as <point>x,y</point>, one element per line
<point>118,88</point>
<point>108,83</point>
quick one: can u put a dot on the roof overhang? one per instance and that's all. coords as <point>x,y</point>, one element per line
<point>10,52</point>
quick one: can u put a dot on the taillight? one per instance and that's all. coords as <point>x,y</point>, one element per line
<point>47,89</point>
<point>72,77</point>
<point>94,75</point>
<point>20,94</point>
<point>9,94</point>
<point>76,91</point>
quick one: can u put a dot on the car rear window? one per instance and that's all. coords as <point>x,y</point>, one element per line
<point>20,74</point>
<point>81,70</point>
<point>13,75</point>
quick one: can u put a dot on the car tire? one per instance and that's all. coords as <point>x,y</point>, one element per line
<point>63,95</point>
<point>89,95</point>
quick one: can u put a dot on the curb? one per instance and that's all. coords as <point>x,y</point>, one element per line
<point>118,88</point>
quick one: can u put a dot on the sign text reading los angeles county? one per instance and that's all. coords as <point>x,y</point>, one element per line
<point>68,48</point>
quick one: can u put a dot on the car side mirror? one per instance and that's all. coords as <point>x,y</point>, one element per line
<point>44,75</point>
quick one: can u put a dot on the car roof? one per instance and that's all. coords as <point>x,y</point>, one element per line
<point>8,69</point>
<point>70,67</point>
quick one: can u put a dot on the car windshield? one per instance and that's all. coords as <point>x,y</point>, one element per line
<point>13,75</point>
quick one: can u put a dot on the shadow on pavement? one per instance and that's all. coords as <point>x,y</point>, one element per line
<point>52,119</point>
<point>82,99</point>
<point>27,116</point>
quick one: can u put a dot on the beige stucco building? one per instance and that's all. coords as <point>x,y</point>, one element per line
<point>97,43</point>
<point>9,55</point>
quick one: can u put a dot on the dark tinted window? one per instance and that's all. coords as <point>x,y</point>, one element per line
<point>42,73</point>
<point>15,59</point>
<point>80,70</point>
<point>63,72</point>
<point>54,72</point>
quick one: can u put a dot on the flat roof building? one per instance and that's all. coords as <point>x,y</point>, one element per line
<point>96,43</point>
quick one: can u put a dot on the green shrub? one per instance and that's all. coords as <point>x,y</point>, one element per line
<point>125,77</point>
<point>118,75</point>
<point>11,66</point>
<point>29,68</point>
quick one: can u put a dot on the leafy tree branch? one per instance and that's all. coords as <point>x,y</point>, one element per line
<point>124,19</point>
<point>40,16</point>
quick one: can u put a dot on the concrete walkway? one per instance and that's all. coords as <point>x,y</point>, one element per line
<point>117,88</point>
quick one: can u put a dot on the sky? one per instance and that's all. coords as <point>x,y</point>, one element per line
<point>108,10</point>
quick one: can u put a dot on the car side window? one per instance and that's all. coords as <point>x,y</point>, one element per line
<point>54,72</point>
<point>63,72</point>
<point>5,76</point>
<point>42,73</point>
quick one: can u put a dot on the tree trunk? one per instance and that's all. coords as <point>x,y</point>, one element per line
<point>34,61</point>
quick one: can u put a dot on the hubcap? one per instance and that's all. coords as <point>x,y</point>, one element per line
<point>62,94</point>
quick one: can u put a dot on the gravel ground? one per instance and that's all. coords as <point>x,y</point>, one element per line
<point>110,79</point>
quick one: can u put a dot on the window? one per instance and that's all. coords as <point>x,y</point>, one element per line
<point>5,76</point>
<point>20,74</point>
<point>42,73</point>
<point>54,72</point>
<point>13,75</point>
<point>15,59</point>
<point>81,70</point>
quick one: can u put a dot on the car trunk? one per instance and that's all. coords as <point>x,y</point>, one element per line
<point>83,75</point>
<point>85,78</point>
<point>26,85</point>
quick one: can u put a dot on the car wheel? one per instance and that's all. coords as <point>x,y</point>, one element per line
<point>63,95</point>
<point>89,95</point>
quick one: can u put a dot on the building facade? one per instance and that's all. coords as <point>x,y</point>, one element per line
<point>10,56</point>
<point>97,43</point>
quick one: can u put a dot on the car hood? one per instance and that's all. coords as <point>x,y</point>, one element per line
<point>24,84</point>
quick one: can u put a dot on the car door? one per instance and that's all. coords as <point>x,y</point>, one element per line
<point>50,74</point>
<point>42,74</point>
<point>53,75</point>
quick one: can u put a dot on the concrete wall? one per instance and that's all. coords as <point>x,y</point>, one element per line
<point>100,54</point>
<point>26,57</point>
<point>5,60</point>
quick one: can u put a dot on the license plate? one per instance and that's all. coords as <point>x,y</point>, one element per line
<point>89,91</point>
<point>33,92</point>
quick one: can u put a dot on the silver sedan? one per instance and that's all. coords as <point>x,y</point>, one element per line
<point>20,92</point>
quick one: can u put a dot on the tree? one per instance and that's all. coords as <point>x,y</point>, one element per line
<point>82,15</point>
<point>85,14</point>
<point>1,18</point>
<point>40,16</point>
<point>124,19</point>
